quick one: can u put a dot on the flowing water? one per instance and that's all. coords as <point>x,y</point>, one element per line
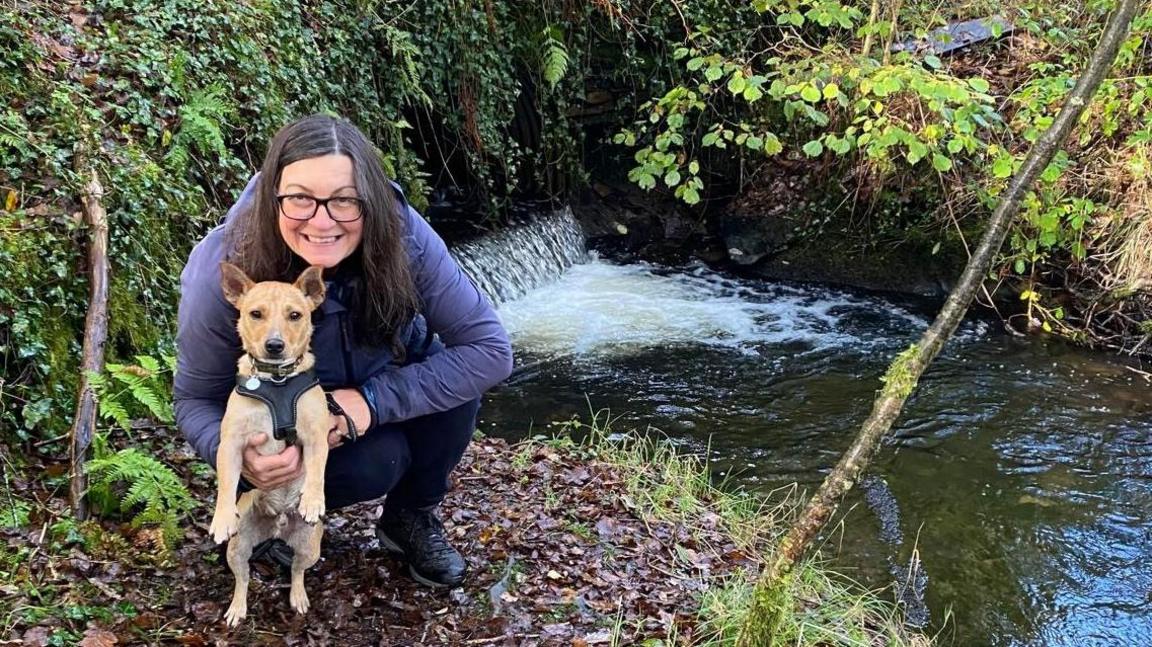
<point>1013,506</point>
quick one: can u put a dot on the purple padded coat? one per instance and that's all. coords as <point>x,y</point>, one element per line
<point>457,347</point>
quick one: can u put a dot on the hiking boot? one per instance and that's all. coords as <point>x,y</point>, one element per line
<point>418,537</point>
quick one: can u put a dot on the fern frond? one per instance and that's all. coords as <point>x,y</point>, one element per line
<point>111,409</point>
<point>150,364</point>
<point>153,489</point>
<point>555,57</point>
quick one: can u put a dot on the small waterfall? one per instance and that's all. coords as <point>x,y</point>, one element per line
<point>507,264</point>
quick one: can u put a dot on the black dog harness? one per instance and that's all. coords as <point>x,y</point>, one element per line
<point>281,395</point>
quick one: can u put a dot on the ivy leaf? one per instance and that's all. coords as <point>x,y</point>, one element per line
<point>813,148</point>
<point>941,163</point>
<point>1002,167</point>
<point>978,84</point>
<point>772,144</point>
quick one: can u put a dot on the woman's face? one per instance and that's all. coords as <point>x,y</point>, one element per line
<point>320,240</point>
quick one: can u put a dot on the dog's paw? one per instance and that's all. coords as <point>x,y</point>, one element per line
<point>225,523</point>
<point>237,612</point>
<point>299,599</point>
<point>311,508</point>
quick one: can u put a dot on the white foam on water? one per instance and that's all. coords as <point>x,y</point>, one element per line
<point>597,308</point>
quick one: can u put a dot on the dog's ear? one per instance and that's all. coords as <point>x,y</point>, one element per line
<point>234,281</point>
<point>311,283</point>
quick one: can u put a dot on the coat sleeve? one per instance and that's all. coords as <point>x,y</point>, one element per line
<point>477,353</point>
<point>207,349</point>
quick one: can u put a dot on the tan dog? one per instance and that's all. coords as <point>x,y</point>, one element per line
<point>276,329</point>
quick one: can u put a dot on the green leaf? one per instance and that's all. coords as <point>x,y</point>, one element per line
<point>941,163</point>
<point>813,148</point>
<point>1002,167</point>
<point>737,83</point>
<point>695,63</point>
<point>772,144</point>
<point>693,167</point>
<point>713,73</point>
<point>810,94</point>
<point>831,91</point>
<point>978,84</point>
<point>752,93</point>
<point>1019,266</point>
<point>672,178</point>
<point>933,61</point>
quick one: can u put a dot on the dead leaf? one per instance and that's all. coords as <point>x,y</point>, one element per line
<point>37,636</point>
<point>10,201</point>
<point>98,638</point>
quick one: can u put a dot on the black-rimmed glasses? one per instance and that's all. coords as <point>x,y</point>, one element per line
<point>301,206</point>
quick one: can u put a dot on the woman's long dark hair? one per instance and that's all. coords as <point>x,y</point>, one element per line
<point>381,294</point>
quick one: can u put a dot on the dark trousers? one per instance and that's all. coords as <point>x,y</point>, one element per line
<point>409,461</point>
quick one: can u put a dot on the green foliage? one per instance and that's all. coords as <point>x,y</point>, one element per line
<point>135,389</point>
<point>151,490</point>
<point>14,511</point>
<point>555,58</point>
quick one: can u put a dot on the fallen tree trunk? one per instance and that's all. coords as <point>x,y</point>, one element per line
<point>903,375</point>
<point>95,334</point>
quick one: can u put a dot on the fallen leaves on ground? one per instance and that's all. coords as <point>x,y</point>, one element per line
<point>558,555</point>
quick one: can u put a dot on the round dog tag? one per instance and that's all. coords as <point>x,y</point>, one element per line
<point>253,383</point>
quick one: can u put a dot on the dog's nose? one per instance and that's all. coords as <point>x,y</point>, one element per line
<point>274,346</point>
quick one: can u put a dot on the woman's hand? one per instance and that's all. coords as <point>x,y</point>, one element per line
<point>270,472</point>
<point>353,404</point>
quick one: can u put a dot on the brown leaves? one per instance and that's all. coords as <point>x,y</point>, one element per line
<point>98,638</point>
<point>556,553</point>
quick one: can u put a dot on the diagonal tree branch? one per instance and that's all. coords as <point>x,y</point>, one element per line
<point>904,373</point>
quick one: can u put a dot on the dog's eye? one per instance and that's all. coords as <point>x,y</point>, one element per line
<point>256,314</point>
<point>295,315</point>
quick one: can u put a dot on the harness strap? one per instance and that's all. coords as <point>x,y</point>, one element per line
<point>336,410</point>
<point>281,397</point>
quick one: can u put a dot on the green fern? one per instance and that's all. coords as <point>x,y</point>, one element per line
<point>128,388</point>
<point>407,54</point>
<point>202,120</point>
<point>555,58</point>
<point>151,489</point>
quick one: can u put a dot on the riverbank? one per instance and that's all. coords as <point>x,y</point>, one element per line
<point>570,543</point>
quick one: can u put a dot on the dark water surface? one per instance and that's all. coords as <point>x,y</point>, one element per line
<point>1013,507</point>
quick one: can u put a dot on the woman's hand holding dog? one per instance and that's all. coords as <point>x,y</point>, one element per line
<point>354,405</point>
<point>269,472</point>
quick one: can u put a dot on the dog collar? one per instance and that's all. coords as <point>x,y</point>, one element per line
<point>281,394</point>
<point>275,370</point>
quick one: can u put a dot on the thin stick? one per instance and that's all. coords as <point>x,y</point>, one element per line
<point>95,334</point>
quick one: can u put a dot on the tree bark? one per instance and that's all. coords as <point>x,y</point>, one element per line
<point>95,334</point>
<point>905,371</point>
